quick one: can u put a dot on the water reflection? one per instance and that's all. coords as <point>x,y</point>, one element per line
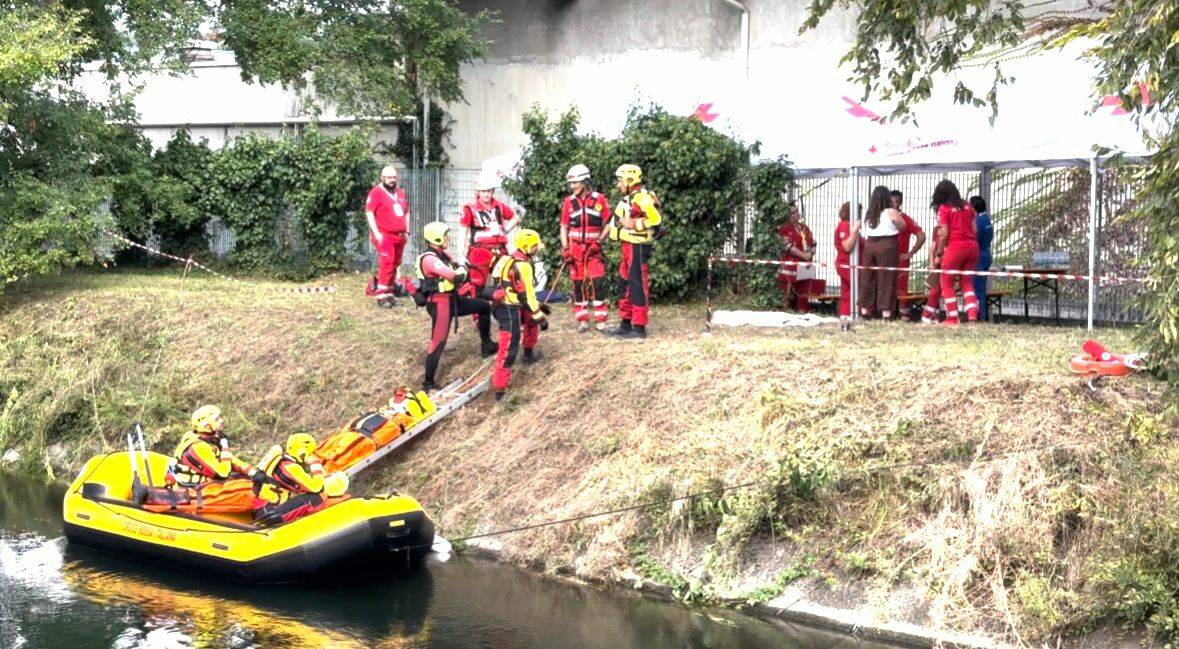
<point>54,595</point>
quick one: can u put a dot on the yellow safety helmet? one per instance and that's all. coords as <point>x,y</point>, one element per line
<point>300,445</point>
<point>528,241</point>
<point>435,233</point>
<point>632,174</point>
<point>205,419</point>
<point>335,485</point>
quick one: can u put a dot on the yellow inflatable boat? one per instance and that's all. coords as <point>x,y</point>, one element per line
<point>352,533</point>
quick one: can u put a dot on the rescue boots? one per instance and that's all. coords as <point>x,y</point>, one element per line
<point>531,356</point>
<point>638,332</point>
<point>600,326</point>
<point>624,329</point>
<point>582,327</point>
<point>386,302</point>
<point>487,348</point>
<point>429,386</point>
<point>499,395</point>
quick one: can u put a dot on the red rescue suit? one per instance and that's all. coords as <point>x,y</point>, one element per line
<point>391,213</point>
<point>796,238</point>
<point>441,279</point>
<point>636,223</point>
<point>584,216</point>
<point>961,253</point>
<point>518,314</point>
<point>487,226</point>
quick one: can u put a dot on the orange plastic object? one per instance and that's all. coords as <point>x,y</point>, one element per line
<point>1099,361</point>
<point>217,497</point>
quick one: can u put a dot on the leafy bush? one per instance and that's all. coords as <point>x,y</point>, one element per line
<point>697,173</point>
<point>768,182</point>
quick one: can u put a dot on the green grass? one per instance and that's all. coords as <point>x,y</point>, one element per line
<point>967,463</point>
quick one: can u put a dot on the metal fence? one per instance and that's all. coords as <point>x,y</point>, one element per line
<point>433,195</point>
<point>1034,210</point>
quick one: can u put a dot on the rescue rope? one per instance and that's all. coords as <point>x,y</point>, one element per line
<point>978,457</point>
<point>1101,279</point>
<point>189,262</point>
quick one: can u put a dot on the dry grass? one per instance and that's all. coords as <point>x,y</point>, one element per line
<point>971,510</point>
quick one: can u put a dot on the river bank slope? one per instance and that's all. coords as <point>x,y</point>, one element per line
<point>958,479</point>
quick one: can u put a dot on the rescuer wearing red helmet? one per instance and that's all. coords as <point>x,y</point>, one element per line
<point>584,215</point>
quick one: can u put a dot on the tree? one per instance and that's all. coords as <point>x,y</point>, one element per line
<point>902,47</point>
<point>64,157</point>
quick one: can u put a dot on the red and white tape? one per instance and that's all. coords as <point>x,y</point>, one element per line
<point>1100,279</point>
<point>195,264</point>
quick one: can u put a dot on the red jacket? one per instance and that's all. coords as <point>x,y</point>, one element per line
<point>488,224</point>
<point>585,216</point>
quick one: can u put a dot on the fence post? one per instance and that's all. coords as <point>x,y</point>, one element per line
<point>853,179</point>
<point>1093,206</point>
<point>984,184</point>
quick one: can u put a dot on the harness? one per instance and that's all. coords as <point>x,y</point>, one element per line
<point>584,217</point>
<point>277,485</point>
<point>484,219</point>
<point>432,285</point>
<point>507,277</point>
<point>186,467</point>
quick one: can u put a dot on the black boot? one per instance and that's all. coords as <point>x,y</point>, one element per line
<point>624,329</point>
<point>531,356</point>
<point>638,332</point>
<point>386,302</point>
<point>499,395</point>
<point>488,348</point>
<point>429,386</point>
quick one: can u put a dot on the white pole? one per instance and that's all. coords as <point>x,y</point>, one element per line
<point>853,179</point>
<point>1093,207</point>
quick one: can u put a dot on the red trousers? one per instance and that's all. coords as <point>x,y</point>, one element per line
<point>962,257</point>
<point>801,289</point>
<point>389,254</point>
<point>587,271</point>
<point>902,276</point>
<point>844,292</point>
<point>515,325</point>
<point>634,283</point>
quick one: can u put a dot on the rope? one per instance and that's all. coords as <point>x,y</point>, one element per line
<point>190,263</point>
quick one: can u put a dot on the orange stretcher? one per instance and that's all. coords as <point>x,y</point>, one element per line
<point>1097,361</point>
<point>363,435</point>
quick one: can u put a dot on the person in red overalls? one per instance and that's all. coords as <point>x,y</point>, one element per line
<point>488,223</point>
<point>904,252</point>
<point>387,212</point>
<point>798,244</point>
<point>584,214</point>
<point>933,280</point>
<point>517,311</point>
<point>847,233</point>
<point>961,249</point>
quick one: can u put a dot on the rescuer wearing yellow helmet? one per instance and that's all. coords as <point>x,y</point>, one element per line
<point>636,224</point>
<point>203,453</point>
<point>292,483</point>
<point>440,279</point>
<point>518,313</point>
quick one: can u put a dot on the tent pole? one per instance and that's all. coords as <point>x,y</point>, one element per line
<point>853,178</point>
<point>1093,206</point>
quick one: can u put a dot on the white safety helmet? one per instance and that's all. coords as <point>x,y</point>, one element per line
<point>486,180</point>
<point>577,173</point>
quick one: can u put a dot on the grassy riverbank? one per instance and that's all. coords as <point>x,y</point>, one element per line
<point>959,479</point>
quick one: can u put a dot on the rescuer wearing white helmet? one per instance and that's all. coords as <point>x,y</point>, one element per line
<point>584,216</point>
<point>488,223</point>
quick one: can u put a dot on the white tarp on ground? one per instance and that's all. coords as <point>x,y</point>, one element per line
<point>768,319</point>
<point>1047,117</point>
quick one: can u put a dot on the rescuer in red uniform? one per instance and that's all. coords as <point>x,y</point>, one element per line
<point>387,213</point>
<point>636,224</point>
<point>960,235</point>
<point>584,215</point>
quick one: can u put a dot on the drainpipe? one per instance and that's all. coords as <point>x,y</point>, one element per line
<point>744,30</point>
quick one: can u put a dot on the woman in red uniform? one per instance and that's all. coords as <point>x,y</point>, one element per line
<point>847,234</point>
<point>798,244</point>
<point>960,237</point>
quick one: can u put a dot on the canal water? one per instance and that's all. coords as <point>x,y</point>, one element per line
<point>59,596</point>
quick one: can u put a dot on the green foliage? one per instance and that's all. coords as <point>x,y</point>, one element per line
<point>768,183</point>
<point>34,42</point>
<point>438,137</point>
<point>697,173</point>
<point>366,56</point>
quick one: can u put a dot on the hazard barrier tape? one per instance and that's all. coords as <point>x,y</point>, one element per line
<point>1101,279</point>
<point>189,262</point>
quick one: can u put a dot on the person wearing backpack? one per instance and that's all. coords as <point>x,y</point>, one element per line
<point>636,224</point>
<point>438,280</point>
<point>517,311</point>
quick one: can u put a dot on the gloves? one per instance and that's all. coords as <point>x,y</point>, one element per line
<point>461,275</point>
<point>224,444</point>
<point>546,309</point>
<point>467,290</point>
<point>566,254</point>
<point>544,324</point>
<point>595,247</point>
<point>498,295</point>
